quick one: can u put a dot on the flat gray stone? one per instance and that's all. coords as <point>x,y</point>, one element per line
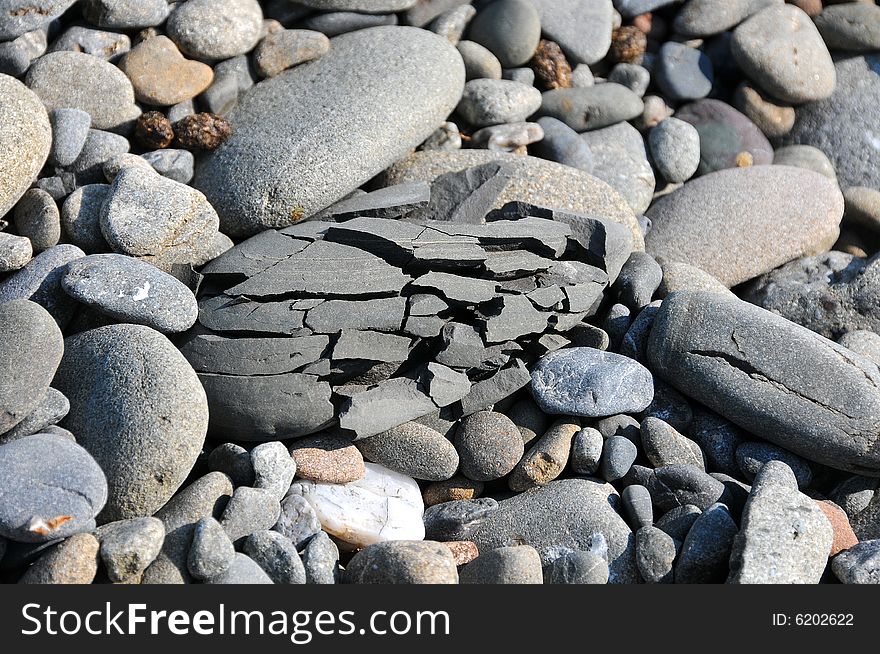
<point>213,353</point>
<point>598,106</point>
<point>748,365</point>
<point>590,383</point>
<point>131,291</point>
<point>138,408</point>
<point>710,17</point>
<point>267,407</point>
<point>250,184</point>
<point>389,404</point>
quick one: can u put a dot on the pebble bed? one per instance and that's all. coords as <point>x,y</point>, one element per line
<point>437,291</point>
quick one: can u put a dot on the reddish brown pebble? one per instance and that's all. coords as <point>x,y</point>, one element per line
<point>844,536</point>
<point>463,551</point>
<point>202,131</point>
<point>327,458</point>
<point>628,45</point>
<point>456,488</point>
<point>153,130</point>
<point>551,67</point>
<point>810,7</point>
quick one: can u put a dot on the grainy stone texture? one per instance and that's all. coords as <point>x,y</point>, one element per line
<point>138,408</point>
<point>251,186</point>
<point>25,139</point>
<point>748,364</point>
<point>738,224</point>
<point>784,537</point>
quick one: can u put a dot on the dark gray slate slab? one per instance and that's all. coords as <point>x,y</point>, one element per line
<point>372,346</point>
<point>383,314</point>
<point>223,313</point>
<point>251,356</point>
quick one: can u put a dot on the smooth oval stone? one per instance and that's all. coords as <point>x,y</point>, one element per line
<point>854,26</point>
<point>25,139</point>
<point>727,138</point>
<point>582,381</point>
<point>138,407</point>
<point>382,506</point>
<point>740,223</point>
<point>131,291</point>
<point>620,160</point>
<point>581,27</point>
<point>50,488</point>
<point>683,73</point>
<point>15,252</point>
<point>279,167</point>
<point>570,513</point>
<point>777,380</point>
<point>783,52</point>
<point>593,107</point>
<point>414,450</point>
<point>81,81</point>
<point>30,351</point>
<point>709,17</point>
<point>537,181</point>
<point>20,16</point>
<point>806,157</point>
<point>216,29</point>
<point>510,29</point>
<point>845,126</point>
<point>675,148</point>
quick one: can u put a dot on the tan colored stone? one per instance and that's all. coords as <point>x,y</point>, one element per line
<point>327,458</point>
<point>161,75</point>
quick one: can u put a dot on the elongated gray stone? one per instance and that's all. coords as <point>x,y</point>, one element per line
<point>777,380</point>
<point>380,113</point>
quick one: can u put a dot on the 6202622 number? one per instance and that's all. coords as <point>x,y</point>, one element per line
<point>824,619</point>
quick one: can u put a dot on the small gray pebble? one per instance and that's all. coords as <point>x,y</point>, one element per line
<point>242,570</point>
<point>274,468</point>
<point>321,560</point>
<point>479,62</point>
<point>618,455</point>
<point>488,102</point>
<point>577,567</point>
<point>586,451</point>
<point>675,148</point>
<point>37,217</point>
<point>637,504</point>
<point>211,552</point>
<point>70,128</point>
<point>129,546</point>
<point>634,77</point>
<point>277,556</point>
<point>298,521</point>
<point>519,564</point>
<point>234,461</point>
<point>81,218</point>
<point>249,510</point>
<point>655,554</point>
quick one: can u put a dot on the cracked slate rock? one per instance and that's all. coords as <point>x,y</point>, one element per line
<point>568,513</point>
<point>771,377</point>
<point>131,291</point>
<point>138,408</point>
<point>50,488</point>
<point>388,111</point>
<point>832,293</point>
<point>740,223</point>
<point>536,181</point>
<point>784,537</point>
<point>25,139</point>
<point>30,351</point>
<point>587,382</point>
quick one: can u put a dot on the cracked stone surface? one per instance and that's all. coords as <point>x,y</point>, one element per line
<point>777,380</point>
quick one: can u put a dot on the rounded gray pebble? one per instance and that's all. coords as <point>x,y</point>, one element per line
<point>274,468</point>
<point>655,554</point>
<point>489,445</point>
<point>137,406</point>
<point>15,252</point>
<point>511,29</point>
<point>320,558</point>
<point>413,450</point>
<point>637,503</point>
<point>49,410</point>
<point>675,148</point>
<point>277,556</point>
<point>125,14</point>
<point>297,521</point>
<point>586,451</point>
<point>563,145</point>
<point>577,567</point>
<point>683,73</point>
<point>519,564</point>
<point>242,570</point>
<point>50,488</point>
<point>70,127</point>
<point>215,29</point>
<point>128,547</point>
<point>131,291</point>
<point>479,62</point>
<point>234,461</point>
<point>618,455</point>
<point>497,101</point>
<point>211,552</point>
<point>249,510</point>
<point>171,163</point>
